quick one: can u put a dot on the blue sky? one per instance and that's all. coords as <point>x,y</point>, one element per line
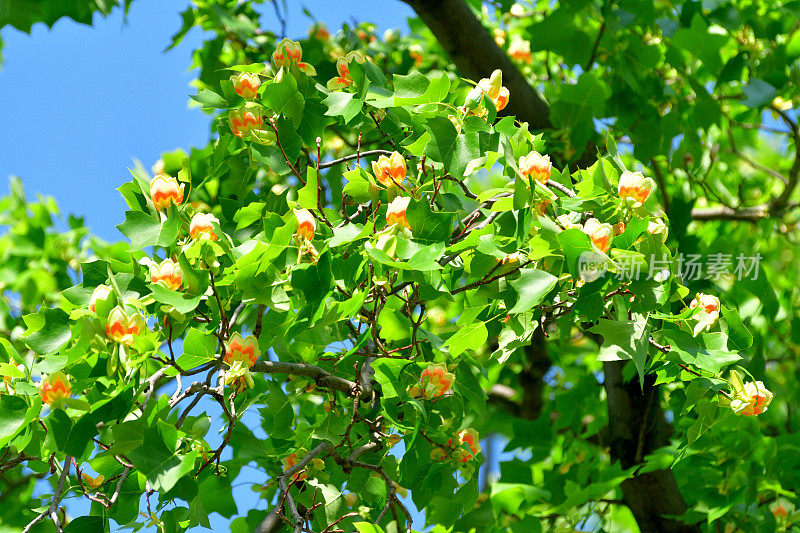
<point>81,103</point>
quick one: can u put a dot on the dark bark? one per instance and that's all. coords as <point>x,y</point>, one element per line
<point>636,421</point>
<point>637,427</point>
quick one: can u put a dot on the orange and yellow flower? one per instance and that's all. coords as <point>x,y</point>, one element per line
<point>520,50</point>
<point>289,461</point>
<point>634,187</point>
<point>468,438</point>
<point>707,302</point>
<point>306,223</point>
<point>390,170</point>
<point>416,53</point>
<point>202,226</point>
<point>288,53</point>
<point>599,234</point>
<point>124,328</point>
<point>54,389</point>
<point>319,31</point>
<point>244,350</point>
<point>435,381</point>
<point>246,84</point>
<point>536,166</point>
<point>748,399</point>
<point>344,79</point>
<point>164,190</point>
<point>167,273</point>
<point>244,120</point>
<point>396,212</point>
<point>101,293</point>
<point>493,88</point>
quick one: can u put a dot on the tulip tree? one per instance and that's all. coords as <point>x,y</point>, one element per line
<point>398,253</point>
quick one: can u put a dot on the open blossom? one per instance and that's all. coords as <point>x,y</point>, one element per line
<point>246,84</point>
<point>709,311</point>
<point>288,53</point>
<point>434,382</point>
<point>781,509</point>
<point>344,79</point>
<point>390,170</point>
<point>491,87</point>
<point>396,212</point>
<point>600,234</point>
<point>291,460</point>
<point>536,166</point>
<point>306,224</point>
<point>635,187</point>
<point>747,399</point>
<point>468,437</point>
<point>124,328</point>
<point>101,293</point>
<point>520,50</point>
<point>167,273</point>
<point>54,388</point>
<point>202,226</point>
<point>165,190</point>
<point>244,120</point>
<point>242,349</point>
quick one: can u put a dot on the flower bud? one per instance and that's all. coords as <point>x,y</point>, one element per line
<point>499,36</point>
<point>243,120</point>
<point>241,349</point>
<point>635,188</point>
<point>124,328</point>
<point>396,212</point>
<point>54,389</point>
<point>747,399</point>
<point>344,79</point>
<point>416,53</point>
<point>493,88</point>
<point>202,226</point>
<point>289,53</point>
<point>468,445</point>
<point>600,234</point>
<point>102,299</point>
<point>319,31</point>
<point>536,166</point>
<point>168,273</point>
<point>246,84</point>
<point>435,381</point>
<point>390,170</point>
<point>520,50</point>
<point>165,190</point>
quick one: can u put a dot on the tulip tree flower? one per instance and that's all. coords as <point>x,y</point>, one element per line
<point>167,273</point>
<point>55,389</point>
<point>600,234</point>
<point>101,300</point>
<point>396,212</point>
<point>536,165</point>
<point>434,382</point>
<point>709,311</point>
<point>202,226</point>
<point>634,188</point>
<point>390,170</point>
<point>749,399</point>
<point>491,87</point>
<point>164,190</point>
<point>242,349</point>
<point>124,328</point>
<point>657,227</point>
<point>306,223</point>
<point>291,460</point>
<point>245,120</point>
<point>344,79</point>
<point>468,446</point>
<point>520,50</point>
<point>289,53</point>
<point>246,84</point>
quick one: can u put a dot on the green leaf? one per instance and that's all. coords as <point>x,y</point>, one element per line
<point>87,524</point>
<point>758,93</point>
<point>415,88</point>
<point>198,348</point>
<point>144,230</point>
<point>429,226</point>
<point>738,335</point>
<point>469,337</point>
<point>210,100</point>
<point>346,105</point>
<point>183,303</point>
<point>284,99</point>
<point>48,331</point>
<point>307,195</point>
<point>13,414</point>
<point>627,339</point>
<point>531,287</point>
<point>699,351</point>
<point>159,461</point>
<point>450,148</point>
